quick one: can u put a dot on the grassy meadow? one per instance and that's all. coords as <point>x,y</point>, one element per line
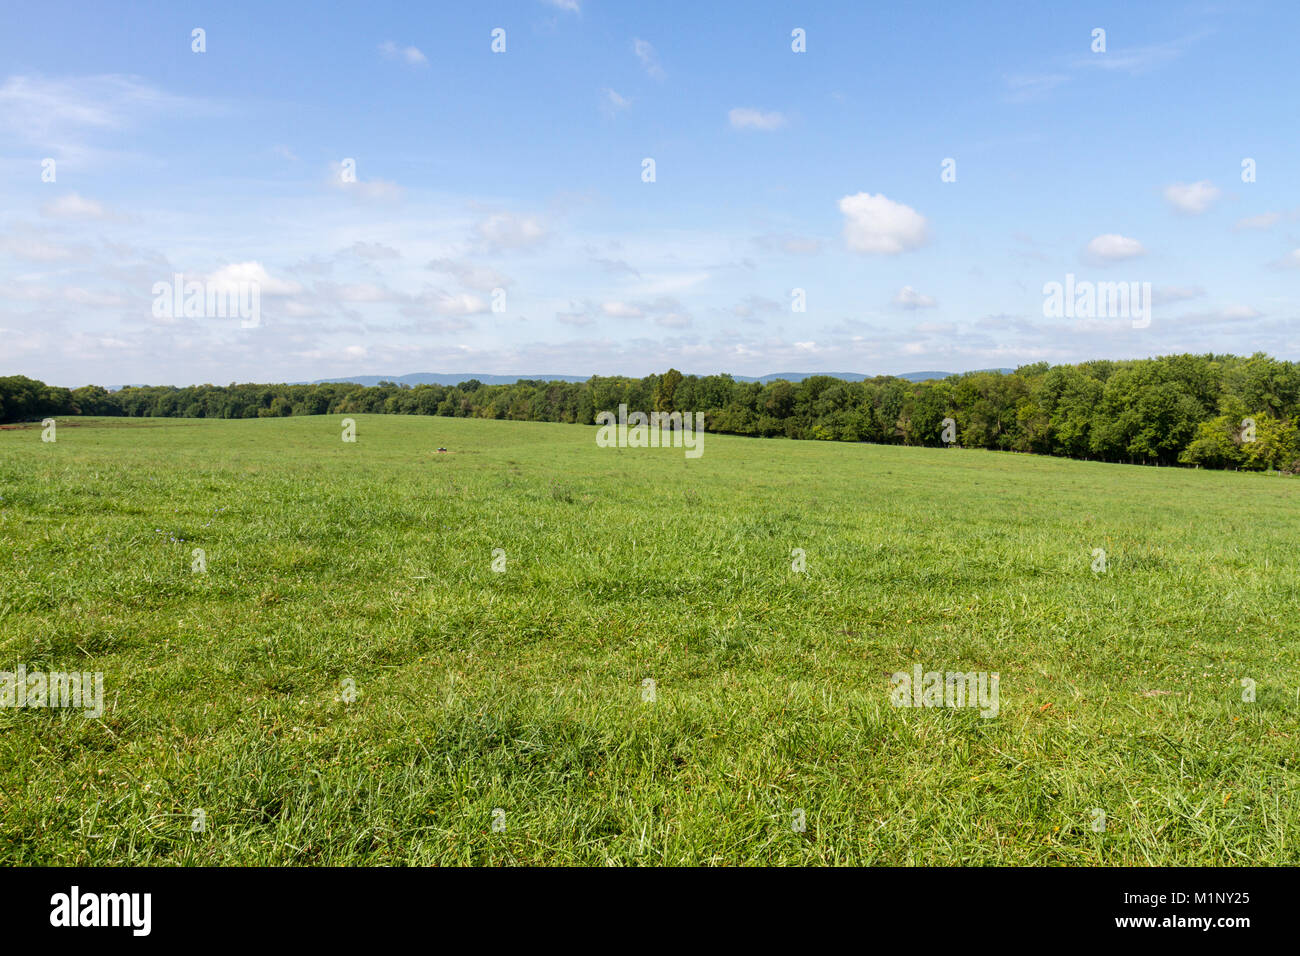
<point>500,716</point>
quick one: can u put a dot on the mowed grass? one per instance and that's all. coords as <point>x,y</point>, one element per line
<point>523,691</point>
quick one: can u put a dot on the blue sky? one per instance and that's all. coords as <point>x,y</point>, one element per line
<point>522,171</point>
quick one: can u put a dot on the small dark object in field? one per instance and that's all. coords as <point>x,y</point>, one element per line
<point>442,449</point>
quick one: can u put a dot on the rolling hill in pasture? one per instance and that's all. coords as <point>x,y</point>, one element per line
<point>530,649</point>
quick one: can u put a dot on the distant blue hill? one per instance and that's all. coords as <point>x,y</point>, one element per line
<point>443,378</point>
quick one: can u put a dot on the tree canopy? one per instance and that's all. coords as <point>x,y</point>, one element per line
<point>1216,411</point>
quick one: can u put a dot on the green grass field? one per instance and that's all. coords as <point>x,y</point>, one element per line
<point>523,690</point>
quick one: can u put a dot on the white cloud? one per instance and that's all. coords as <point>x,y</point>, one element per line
<point>569,6</point>
<point>43,110</point>
<point>1141,59</point>
<point>612,102</point>
<point>1265,220</point>
<point>462,304</point>
<point>1112,247</point>
<point>664,311</point>
<point>576,317</point>
<point>1239,312</point>
<point>673,320</point>
<point>229,277</point>
<point>1289,261</point>
<point>382,190</point>
<point>1192,198</point>
<point>1024,87</point>
<point>789,244</point>
<point>470,275</point>
<point>880,226</point>
<point>25,292</point>
<point>409,54</point>
<point>300,310</point>
<point>373,251</point>
<point>360,292</point>
<point>34,292</point>
<point>508,231</point>
<point>743,117</point>
<point>74,206</point>
<point>33,248</point>
<point>909,298</point>
<point>377,190</point>
<point>753,306</point>
<point>92,299</point>
<point>1223,316</point>
<point>668,283</point>
<point>649,60</point>
<point>1162,295</point>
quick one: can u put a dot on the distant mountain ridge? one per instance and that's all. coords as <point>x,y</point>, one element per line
<point>447,378</point>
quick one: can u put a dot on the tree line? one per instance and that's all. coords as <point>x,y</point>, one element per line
<point>1217,411</point>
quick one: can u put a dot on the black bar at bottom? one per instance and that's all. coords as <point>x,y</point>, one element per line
<point>947,906</point>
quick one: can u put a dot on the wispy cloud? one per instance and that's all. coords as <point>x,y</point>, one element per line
<point>373,251</point>
<point>1139,59</point>
<point>369,190</point>
<point>909,298</point>
<point>63,114</point>
<point>472,276</point>
<point>1030,86</point>
<point>745,118</point>
<point>1192,198</point>
<point>408,54</point>
<point>1113,247</point>
<point>612,102</point>
<point>505,230</point>
<point>1222,316</point>
<point>1163,295</point>
<point>232,276</point>
<point>75,206</point>
<point>1265,220</point>
<point>649,59</point>
<point>1289,261</point>
<point>1023,87</point>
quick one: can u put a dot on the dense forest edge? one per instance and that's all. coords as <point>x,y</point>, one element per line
<point>1214,411</point>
